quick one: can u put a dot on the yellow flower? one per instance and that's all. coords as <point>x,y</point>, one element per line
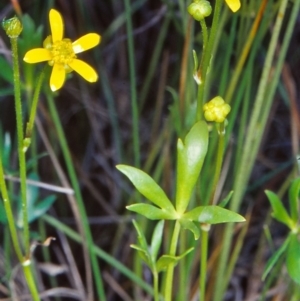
<point>61,53</point>
<point>234,5</point>
<point>216,110</point>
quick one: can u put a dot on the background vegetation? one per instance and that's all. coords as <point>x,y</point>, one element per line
<point>134,115</point>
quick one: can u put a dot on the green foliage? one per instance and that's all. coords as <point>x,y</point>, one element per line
<point>293,257</point>
<point>190,157</point>
<point>149,189</point>
<point>36,208</point>
<point>165,260</point>
<point>5,70</point>
<point>151,212</point>
<point>291,247</point>
<point>213,215</point>
<point>149,253</point>
<point>279,212</point>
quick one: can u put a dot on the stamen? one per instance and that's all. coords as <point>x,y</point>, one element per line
<point>62,51</point>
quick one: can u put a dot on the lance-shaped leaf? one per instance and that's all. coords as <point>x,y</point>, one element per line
<point>293,258</point>
<point>225,201</point>
<point>165,260</point>
<point>275,257</point>
<point>190,157</point>
<point>141,236</point>
<point>213,215</point>
<point>190,225</point>
<point>147,187</point>
<point>143,249</point>
<point>143,254</point>
<point>151,211</point>
<point>279,212</point>
<point>294,199</point>
<point>156,239</point>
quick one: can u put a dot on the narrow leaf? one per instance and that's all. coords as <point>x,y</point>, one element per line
<point>190,225</point>
<point>293,258</point>
<point>156,239</point>
<point>294,199</point>
<point>225,201</point>
<point>279,212</point>
<point>166,260</point>
<point>275,257</point>
<point>141,236</point>
<point>213,215</point>
<point>190,157</point>
<point>151,212</point>
<point>41,208</point>
<point>147,187</point>
<point>143,254</point>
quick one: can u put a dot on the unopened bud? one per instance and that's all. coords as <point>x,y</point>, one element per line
<point>13,27</point>
<point>199,9</point>
<point>216,110</point>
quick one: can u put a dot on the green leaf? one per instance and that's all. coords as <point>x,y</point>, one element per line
<point>141,236</point>
<point>279,212</point>
<point>6,70</point>
<point>275,257</point>
<point>293,258</point>
<point>225,201</point>
<point>189,225</point>
<point>41,208</point>
<point>147,187</point>
<point>213,215</point>
<point>150,211</point>
<point>190,157</point>
<point>143,249</point>
<point>156,240</point>
<point>294,199</point>
<point>143,254</point>
<point>3,218</point>
<point>165,260</point>
<point>31,35</point>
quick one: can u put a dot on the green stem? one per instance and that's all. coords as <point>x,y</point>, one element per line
<point>203,262</point>
<point>134,106</point>
<point>55,223</point>
<point>9,213</point>
<point>30,279</point>
<point>205,33</point>
<point>81,207</point>
<point>170,269</point>
<point>21,153</point>
<point>252,142</point>
<point>243,57</point>
<point>34,104</point>
<point>205,61</point>
<point>220,153</point>
<point>155,286</point>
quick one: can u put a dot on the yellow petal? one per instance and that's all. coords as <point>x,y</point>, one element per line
<point>57,25</point>
<point>85,70</point>
<point>86,42</point>
<point>37,55</point>
<point>234,5</point>
<point>58,76</point>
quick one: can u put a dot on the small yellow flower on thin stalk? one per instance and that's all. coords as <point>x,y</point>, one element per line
<point>216,110</point>
<point>234,5</point>
<point>61,53</point>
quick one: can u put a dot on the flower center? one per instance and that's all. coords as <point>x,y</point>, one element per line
<point>61,51</point>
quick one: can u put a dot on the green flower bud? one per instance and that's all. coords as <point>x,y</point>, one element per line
<point>216,110</point>
<point>199,9</point>
<point>13,27</point>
